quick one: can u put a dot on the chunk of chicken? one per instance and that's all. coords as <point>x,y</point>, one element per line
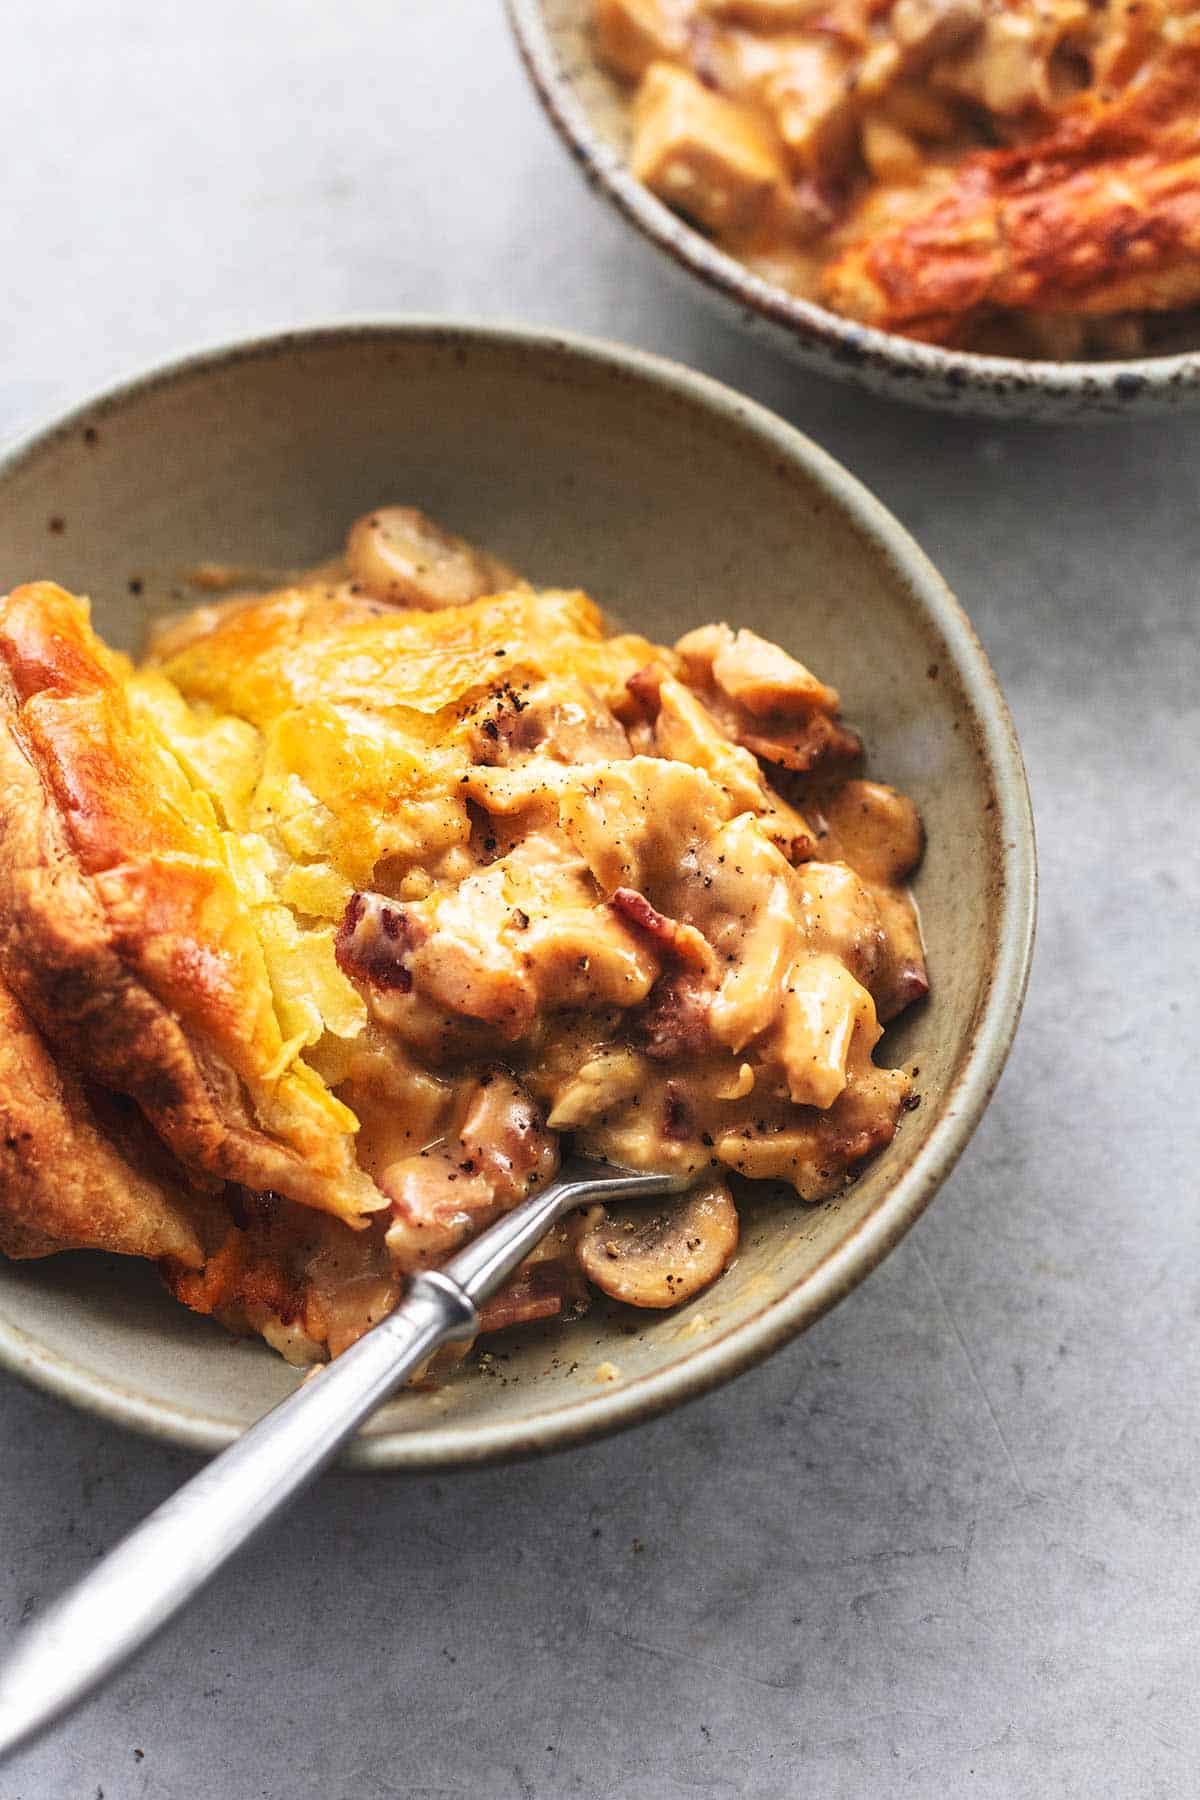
<point>824,1010</point>
<point>754,673</point>
<point>686,731</point>
<point>707,155</point>
<point>797,80</point>
<point>494,1152</point>
<point>841,918</point>
<point>815,1149</point>
<point>487,953</point>
<point>607,1079</point>
<point>624,819</point>
<point>765,700</point>
<point>759,934</point>
<point>814,106</point>
<point>632,34</point>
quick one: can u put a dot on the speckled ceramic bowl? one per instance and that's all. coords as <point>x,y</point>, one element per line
<point>674,501</point>
<point>590,111</point>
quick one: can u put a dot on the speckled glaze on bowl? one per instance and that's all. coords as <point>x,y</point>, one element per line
<point>673,500</point>
<point>590,111</point>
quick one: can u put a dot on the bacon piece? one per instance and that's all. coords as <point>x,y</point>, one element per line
<point>375,941</point>
<point>908,983</point>
<point>540,1292</point>
<point>674,941</point>
<point>674,1023</point>
<point>504,1134</point>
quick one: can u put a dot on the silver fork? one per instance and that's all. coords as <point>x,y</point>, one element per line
<point>89,1632</point>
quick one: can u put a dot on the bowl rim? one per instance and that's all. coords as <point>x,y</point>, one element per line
<point>839,345</point>
<point>739,1345</point>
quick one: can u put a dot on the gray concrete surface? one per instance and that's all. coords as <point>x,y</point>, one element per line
<point>946,1543</point>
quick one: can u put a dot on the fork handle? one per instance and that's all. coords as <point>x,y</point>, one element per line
<point>124,1600</point>
<point>154,1571</point>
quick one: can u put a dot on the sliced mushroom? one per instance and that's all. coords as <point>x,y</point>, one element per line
<point>875,829</point>
<point>903,976</point>
<point>661,1256</point>
<point>401,556</point>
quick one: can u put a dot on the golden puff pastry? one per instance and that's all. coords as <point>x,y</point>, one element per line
<point>78,1169</point>
<point>1099,217</point>
<point>123,932</point>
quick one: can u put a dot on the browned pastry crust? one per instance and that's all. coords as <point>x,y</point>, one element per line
<point>64,1183</point>
<point>1102,216</point>
<point>120,934</point>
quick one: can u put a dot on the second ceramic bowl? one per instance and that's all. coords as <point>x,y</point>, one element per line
<point>590,111</point>
<point>673,501</point>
